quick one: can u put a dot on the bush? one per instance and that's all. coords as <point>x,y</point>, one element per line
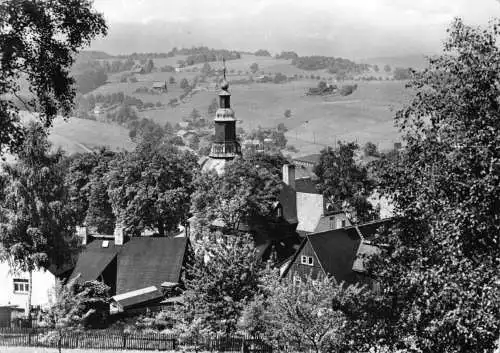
<point>348,89</point>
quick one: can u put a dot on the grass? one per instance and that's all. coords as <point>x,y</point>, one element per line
<point>366,115</point>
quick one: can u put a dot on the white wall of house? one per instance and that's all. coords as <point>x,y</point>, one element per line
<point>13,292</point>
<point>309,211</point>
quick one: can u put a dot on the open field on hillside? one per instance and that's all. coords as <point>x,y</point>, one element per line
<point>79,135</point>
<point>366,115</point>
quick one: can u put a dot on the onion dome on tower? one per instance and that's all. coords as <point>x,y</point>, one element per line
<point>226,146</point>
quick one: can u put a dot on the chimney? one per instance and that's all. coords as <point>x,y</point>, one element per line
<point>82,233</point>
<point>119,234</point>
<point>289,175</point>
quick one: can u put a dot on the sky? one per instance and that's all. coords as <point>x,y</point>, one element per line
<point>350,28</point>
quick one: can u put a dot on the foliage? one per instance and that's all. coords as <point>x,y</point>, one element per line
<point>287,55</point>
<point>287,113</point>
<point>223,278</point>
<point>254,68</point>
<point>90,79</point>
<point>387,68</point>
<point>262,52</point>
<point>150,187</point>
<point>303,313</point>
<point>36,224</point>
<point>370,149</point>
<point>77,306</point>
<point>243,191</point>
<point>35,221</point>
<point>38,42</point>
<point>212,108</point>
<point>333,65</point>
<point>400,73</point>
<point>198,55</point>
<point>323,89</point>
<point>441,275</point>
<point>342,181</point>
<point>347,90</point>
<point>87,190</point>
<point>184,84</point>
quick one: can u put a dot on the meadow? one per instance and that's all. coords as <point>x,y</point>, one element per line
<point>365,115</point>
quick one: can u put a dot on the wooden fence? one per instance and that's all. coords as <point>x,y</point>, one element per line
<point>105,339</point>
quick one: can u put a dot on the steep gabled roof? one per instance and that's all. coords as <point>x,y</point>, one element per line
<point>343,251</point>
<point>149,261</point>
<point>336,251</point>
<point>94,259</point>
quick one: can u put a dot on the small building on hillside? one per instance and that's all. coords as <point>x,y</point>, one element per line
<point>138,69</point>
<point>160,86</point>
<point>141,271</point>
<point>340,253</point>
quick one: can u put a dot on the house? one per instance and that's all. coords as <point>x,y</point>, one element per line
<point>309,161</point>
<point>314,212</point>
<point>15,286</point>
<point>159,86</point>
<point>340,253</point>
<point>138,69</point>
<point>141,271</point>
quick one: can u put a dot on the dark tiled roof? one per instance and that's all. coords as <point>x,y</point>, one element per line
<point>337,249</point>
<point>94,259</point>
<point>306,185</point>
<point>310,158</point>
<point>149,261</point>
<point>288,200</point>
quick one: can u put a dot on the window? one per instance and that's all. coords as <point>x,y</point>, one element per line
<point>21,285</point>
<point>341,223</point>
<point>296,279</point>
<point>307,260</point>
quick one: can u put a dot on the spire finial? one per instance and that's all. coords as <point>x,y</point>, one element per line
<point>224,67</point>
<point>224,84</point>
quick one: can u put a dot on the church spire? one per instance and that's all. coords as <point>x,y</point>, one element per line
<point>226,145</point>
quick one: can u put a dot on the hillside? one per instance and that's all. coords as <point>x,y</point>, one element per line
<point>316,121</point>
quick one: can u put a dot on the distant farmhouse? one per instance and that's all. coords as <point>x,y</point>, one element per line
<point>160,86</point>
<point>138,69</point>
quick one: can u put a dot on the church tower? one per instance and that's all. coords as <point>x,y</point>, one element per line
<point>226,146</point>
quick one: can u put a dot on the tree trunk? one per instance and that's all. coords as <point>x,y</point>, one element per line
<point>161,229</point>
<point>30,293</point>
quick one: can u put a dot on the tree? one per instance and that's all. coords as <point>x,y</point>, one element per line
<point>87,190</point>
<point>243,191</point>
<point>223,278</point>
<point>38,42</point>
<point>342,181</point>
<point>376,68</point>
<point>440,274</point>
<point>206,69</point>
<point>171,80</point>
<point>254,68</point>
<point>212,108</point>
<point>76,306</point>
<point>307,314</point>
<point>150,187</point>
<point>370,149</point>
<point>287,113</point>
<point>36,224</point>
<point>402,73</point>
<point>387,68</point>
<point>149,66</point>
<point>184,84</point>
